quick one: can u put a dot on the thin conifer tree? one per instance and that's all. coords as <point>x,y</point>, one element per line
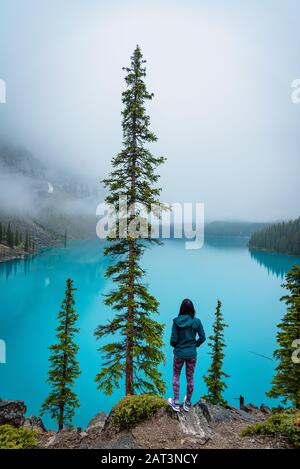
<point>215,377</point>
<point>27,242</point>
<point>136,353</point>
<point>9,236</point>
<point>64,367</point>
<point>286,382</point>
<point>17,240</point>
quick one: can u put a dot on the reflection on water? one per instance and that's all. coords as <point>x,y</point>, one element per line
<point>12,268</point>
<point>221,242</point>
<point>19,266</point>
<point>277,264</point>
<point>87,261</point>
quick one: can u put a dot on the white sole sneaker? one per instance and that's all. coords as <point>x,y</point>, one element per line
<point>171,403</point>
<point>185,406</point>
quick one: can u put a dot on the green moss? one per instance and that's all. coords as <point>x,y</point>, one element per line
<point>16,438</point>
<point>286,423</point>
<point>135,409</point>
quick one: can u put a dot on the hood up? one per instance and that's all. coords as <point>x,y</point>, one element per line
<point>183,320</point>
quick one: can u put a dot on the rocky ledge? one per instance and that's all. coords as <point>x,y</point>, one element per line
<point>206,426</point>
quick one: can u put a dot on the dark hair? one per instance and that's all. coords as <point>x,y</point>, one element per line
<point>187,307</point>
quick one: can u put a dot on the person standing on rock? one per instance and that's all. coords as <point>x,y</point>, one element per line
<point>184,339</point>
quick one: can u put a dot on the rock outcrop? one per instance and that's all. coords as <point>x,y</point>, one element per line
<point>34,423</point>
<point>12,413</point>
<point>97,422</point>
<point>167,429</point>
<point>205,426</point>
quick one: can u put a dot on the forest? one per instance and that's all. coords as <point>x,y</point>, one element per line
<point>283,238</point>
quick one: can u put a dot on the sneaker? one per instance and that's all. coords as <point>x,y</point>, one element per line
<point>175,405</point>
<point>186,405</point>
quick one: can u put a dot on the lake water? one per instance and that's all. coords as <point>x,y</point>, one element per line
<point>248,284</point>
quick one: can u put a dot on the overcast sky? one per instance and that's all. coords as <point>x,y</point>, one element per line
<point>221,71</point>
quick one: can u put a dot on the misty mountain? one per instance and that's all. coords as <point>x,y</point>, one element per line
<point>18,160</point>
<point>57,200</point>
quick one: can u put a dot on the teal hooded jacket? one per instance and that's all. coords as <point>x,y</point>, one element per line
<point>184,336</point>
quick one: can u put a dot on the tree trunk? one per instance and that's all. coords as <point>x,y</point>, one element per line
<point>130,311</point>
<point>130,323</point>
<point>61,417</point>
<point>62,396</point>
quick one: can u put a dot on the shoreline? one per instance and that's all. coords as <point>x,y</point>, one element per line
<point>268,251</point>
<point>8,254</point>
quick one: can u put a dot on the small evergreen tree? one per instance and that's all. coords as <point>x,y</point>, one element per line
<point>1,233</point>
<point>64,368</point>
<point>9,236</point>
<point>17,240</point>
<point>215,377</point>
<point>286,382</point>
<point>137,354</point>
<point>27,242</point>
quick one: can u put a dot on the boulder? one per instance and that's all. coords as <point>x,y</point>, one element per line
<point>65,439</point>
<point>194,424</point>
<point>97,422</point>
<point>12,413</point>
<point>265,409</point>
<point>214,413</point>
<point>34,423</point>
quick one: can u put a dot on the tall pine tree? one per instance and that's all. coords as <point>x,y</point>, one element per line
<point>286,382</point>
<point>215,378</point>
<point>1,233</point>
<point>136,354</point>
<point>64,368</point>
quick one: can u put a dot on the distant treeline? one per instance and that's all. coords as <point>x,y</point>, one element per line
<point>281,237</point>
<point>13,238</point>
<point>233,228</point>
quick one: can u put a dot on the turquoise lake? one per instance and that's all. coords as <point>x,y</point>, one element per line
<point>248,284</point>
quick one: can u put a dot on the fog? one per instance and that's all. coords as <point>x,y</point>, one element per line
<point>221,72</point>
<point>16,195</point>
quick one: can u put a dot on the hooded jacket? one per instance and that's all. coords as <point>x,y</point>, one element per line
<point>183,338</point>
